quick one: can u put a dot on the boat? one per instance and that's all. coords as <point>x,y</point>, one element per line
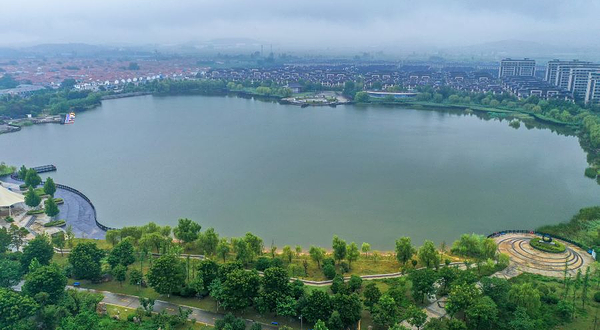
<point>69,118</point>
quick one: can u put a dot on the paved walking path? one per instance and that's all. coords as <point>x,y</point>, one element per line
<point>525,258</point>
<point>133,302</point>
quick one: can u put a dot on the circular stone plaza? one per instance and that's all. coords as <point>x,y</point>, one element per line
<point>524,258</point>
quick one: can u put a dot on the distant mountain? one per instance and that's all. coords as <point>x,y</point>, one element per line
<point>516,48</point>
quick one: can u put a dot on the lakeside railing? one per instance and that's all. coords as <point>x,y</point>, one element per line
<point>51,168</point>
<point>535,232</point>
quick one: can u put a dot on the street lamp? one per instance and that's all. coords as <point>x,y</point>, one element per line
<point>300,321</point>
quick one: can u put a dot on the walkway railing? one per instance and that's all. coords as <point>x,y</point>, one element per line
<point>51,168</point>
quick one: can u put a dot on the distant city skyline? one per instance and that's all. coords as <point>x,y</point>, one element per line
<point>392,26</point>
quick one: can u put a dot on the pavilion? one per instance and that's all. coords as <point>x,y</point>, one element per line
<point>9,198</point>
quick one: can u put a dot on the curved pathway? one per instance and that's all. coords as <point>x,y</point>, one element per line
<point>527,259</point>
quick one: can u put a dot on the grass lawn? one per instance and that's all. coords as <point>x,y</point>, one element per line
<point>124,312</point>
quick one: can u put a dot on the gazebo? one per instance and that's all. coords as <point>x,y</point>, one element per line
<point>9,198</point>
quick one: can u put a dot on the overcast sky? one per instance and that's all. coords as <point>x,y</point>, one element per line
<point>311,23</point>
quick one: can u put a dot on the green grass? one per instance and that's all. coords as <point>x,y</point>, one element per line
<point>33,212</point>
<point>557,247</point>
<point>55,223</point>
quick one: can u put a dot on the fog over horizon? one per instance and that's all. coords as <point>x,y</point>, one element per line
<point>308,24</point>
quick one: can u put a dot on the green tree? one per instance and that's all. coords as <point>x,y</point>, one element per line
<point>10,273</point>
<point>49,187</point>
<point>31,198</point>
<point>461,297</point>
<point>223,249</point>
<point>50,208</point>
<point>239,289</point>
<point>428,255</point>
<point>5,240</point>
<point>365,248</point>
<point>208,242</point>
<point>320,325</point>
<point>355,283</point>
<point>85,259</point>
<point>416,316</point>
<point>422,283</point>
<point>255,244</point>
<point>361,97</point>
<point>317,254</point>
<point>120,273</point>
<point>46,279</point>
<point>318,306</point>
<point>17,235</point>
<point>166,274</point>
<point>121,254</point>
<point>113,236</point>
<point>243,252</point>
<point>15,310</point>
<point>39,248</point>
<point>352,253</point>
<point>335,321</point>
<point>187,230</point>
<point>230,322</point>
<point>404,250</point>
<point>349,307</point>
<point>275,283</point>
<point>22,172</point>
<point>152,240</point>
<point>32,178</point>
<point>58,240</point>
<point>371,294</point>
<point>482,314</point>
<point>136,277</point>
<point>338,285</point>
<point>526,296</point>
<point>339,249</point>
<point>288,254</point>
<point>385,312</point>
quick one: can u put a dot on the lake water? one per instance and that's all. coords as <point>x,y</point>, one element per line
<point>299,175</point>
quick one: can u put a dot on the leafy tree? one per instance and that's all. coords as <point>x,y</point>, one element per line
<point>187,230</point>
<point>521,320</point>
<point>320,325</point>
<point>497,289</point>
<point>361,97</point>
<point>136,277</point>
<point>17,235</point>
<point>365,248</point>
<point>120,273</point>
<point>482,314</point>
<point>371,294</point>
<point>10,273</point>
<point>208,270</point>
<point>32,178</point>
<point>243,252</point>
<point>355,283</point>
<point>352,253</point>
<point>255,244</point>
<point>349,307</point>
<point>339,249</point>
<point>122,254</point>
<point>338,285</point>
<point>404,250</point>
<point>22,173</point>
<point>276,286</point>
<point>113,236</point>
<point>524,295</point>
<point>335,321</point>
<point>15,309</point>
<point>385,312</point>
<point>166,274</point>
<point>48,279</point>
<point>316,254</point>
<point>429,255</point>
<point>49,187</point>
<point>461,297</point>
<point>230,322</point>
<point>318,306</point>
<point>152,240</point>
<point>85,259</point>
<point>287,306</point>
<point>39,248</point>
<point>416,316</point>
<point>209,241</point>
<point>329,271</point>
<point>288,254</point>
<point>31,198</point>
<point>240,288</point>
<point>50,208</point>
<point>422,283</point>
<point>223,249</point>
<point>5,240</point>
<point>58,240</point>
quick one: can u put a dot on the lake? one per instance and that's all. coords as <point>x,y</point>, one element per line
<point>299,175</point>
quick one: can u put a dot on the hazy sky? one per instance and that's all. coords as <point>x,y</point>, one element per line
<point>314,23</point>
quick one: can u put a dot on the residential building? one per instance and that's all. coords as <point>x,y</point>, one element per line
<point>592,95</point>
<point>511,67</point>
<point>579,78</point>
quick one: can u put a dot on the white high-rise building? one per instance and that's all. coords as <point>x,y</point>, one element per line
<point>552,69</point>
<point>592,94</point>
<point>510,67</point>
<point>579,80</point>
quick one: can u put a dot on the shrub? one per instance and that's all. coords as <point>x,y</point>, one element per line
<point>344,267</point>
<point>33,212</point>
<point>591,172</point>
<point>9,220</point>
<point>551,248</point>
<point>328,261</point>
<point>597,296</point>
<point>329,271</point>
<point>59,201</point>
<point>55,223</point>
<point>262,263</point>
